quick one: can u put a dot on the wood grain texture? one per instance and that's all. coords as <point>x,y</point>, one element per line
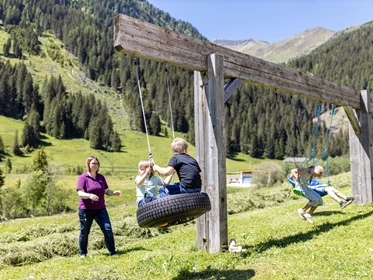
<point>142,39</point>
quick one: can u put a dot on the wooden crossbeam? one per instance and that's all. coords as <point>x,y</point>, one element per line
<point>142,39</point>
<point>230,88</point>
<point>351,115</point>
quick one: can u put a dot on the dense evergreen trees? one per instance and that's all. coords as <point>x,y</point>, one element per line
<point>77,116</point>
<point>17,93</point>
<point>260,122</point>
<point>64,115</point>
<point>345,60</point>
<point>86,29</point>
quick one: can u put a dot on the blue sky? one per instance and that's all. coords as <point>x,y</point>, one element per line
<point>267,20</point>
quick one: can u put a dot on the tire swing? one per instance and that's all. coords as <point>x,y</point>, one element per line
<point>174,209</point>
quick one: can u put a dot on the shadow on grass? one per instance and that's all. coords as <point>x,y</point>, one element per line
<point>302,237</point>
<point>233,157</point>
<point>328,213</point>
<point>44,141</point>
<point>45,144</point>
<point>122,252</point>
<point>216,274</point>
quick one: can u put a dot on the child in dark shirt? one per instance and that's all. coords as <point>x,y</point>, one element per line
<point>186,167</point>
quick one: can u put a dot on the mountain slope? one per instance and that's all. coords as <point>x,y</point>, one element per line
<point>282,51</point>
<point>253,117</point>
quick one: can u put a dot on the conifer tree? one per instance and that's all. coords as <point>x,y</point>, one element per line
<point>35,185</point>
<point>40,161</point>
<point>6,47</point>
<point>255,147</point>
<point>2,147</point>
<point>15,147</point>
<point>17,50</point>
<point>29,136</point>
<point>8,166</point>
<point>28,93</point>
<point>34,120</point>
<point>115,142</point>
<point>4,95</point>
<point>95,140</point>
<point>155,124</point>
<point>2,178</point>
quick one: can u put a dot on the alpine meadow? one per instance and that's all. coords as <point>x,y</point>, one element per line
<point>66,94</point>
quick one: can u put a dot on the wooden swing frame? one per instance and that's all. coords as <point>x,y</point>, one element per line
<point>212,65</point>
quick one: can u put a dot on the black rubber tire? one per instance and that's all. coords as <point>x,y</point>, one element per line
<point>173,209</point>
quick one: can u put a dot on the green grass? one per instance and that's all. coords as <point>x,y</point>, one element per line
<point>279,245</point>
<point>74,78</point>
<point>71,153</point>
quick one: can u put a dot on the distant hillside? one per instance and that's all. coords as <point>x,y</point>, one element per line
<point>75,40</point>
<point>249,46</point>
<point>281,51</point>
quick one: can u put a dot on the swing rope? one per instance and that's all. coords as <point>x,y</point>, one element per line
<point>143,110</point>
<point>326,150</point>
<point>315,135</point>
<point>312,153</point>
<point>150,154</point>
<point>169,101</point>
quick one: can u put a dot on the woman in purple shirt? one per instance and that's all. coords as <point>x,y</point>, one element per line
<point>91,189</point>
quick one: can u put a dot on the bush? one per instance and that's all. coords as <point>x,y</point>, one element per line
<point>339,165</point>
<point>268,174</point>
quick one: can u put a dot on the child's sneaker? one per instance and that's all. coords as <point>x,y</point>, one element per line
<point>308,217</point>
<point>343,204</point>
<point>301,214</point>
<point>352,198</point>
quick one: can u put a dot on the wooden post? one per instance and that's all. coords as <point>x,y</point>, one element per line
<point>209,108</point>
<point>361,153</point>
<point>199,101</point>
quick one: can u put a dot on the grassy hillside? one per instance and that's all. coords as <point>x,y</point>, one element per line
<point>71,153</point>
<point>281,51</point>
<point>297,45</point>
<point>67,66</point>
<point>279,246</point>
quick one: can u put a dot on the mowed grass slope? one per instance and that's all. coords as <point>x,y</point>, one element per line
<point>279,246</point>
<point>72,153</point>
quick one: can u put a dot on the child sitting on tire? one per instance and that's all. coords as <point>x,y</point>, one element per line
<point>146,183</point>
<point>186,167</point>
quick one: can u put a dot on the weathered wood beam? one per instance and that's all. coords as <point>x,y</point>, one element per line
<point>351,115</point>
<point>139,38</point>
<point>230,88</point>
